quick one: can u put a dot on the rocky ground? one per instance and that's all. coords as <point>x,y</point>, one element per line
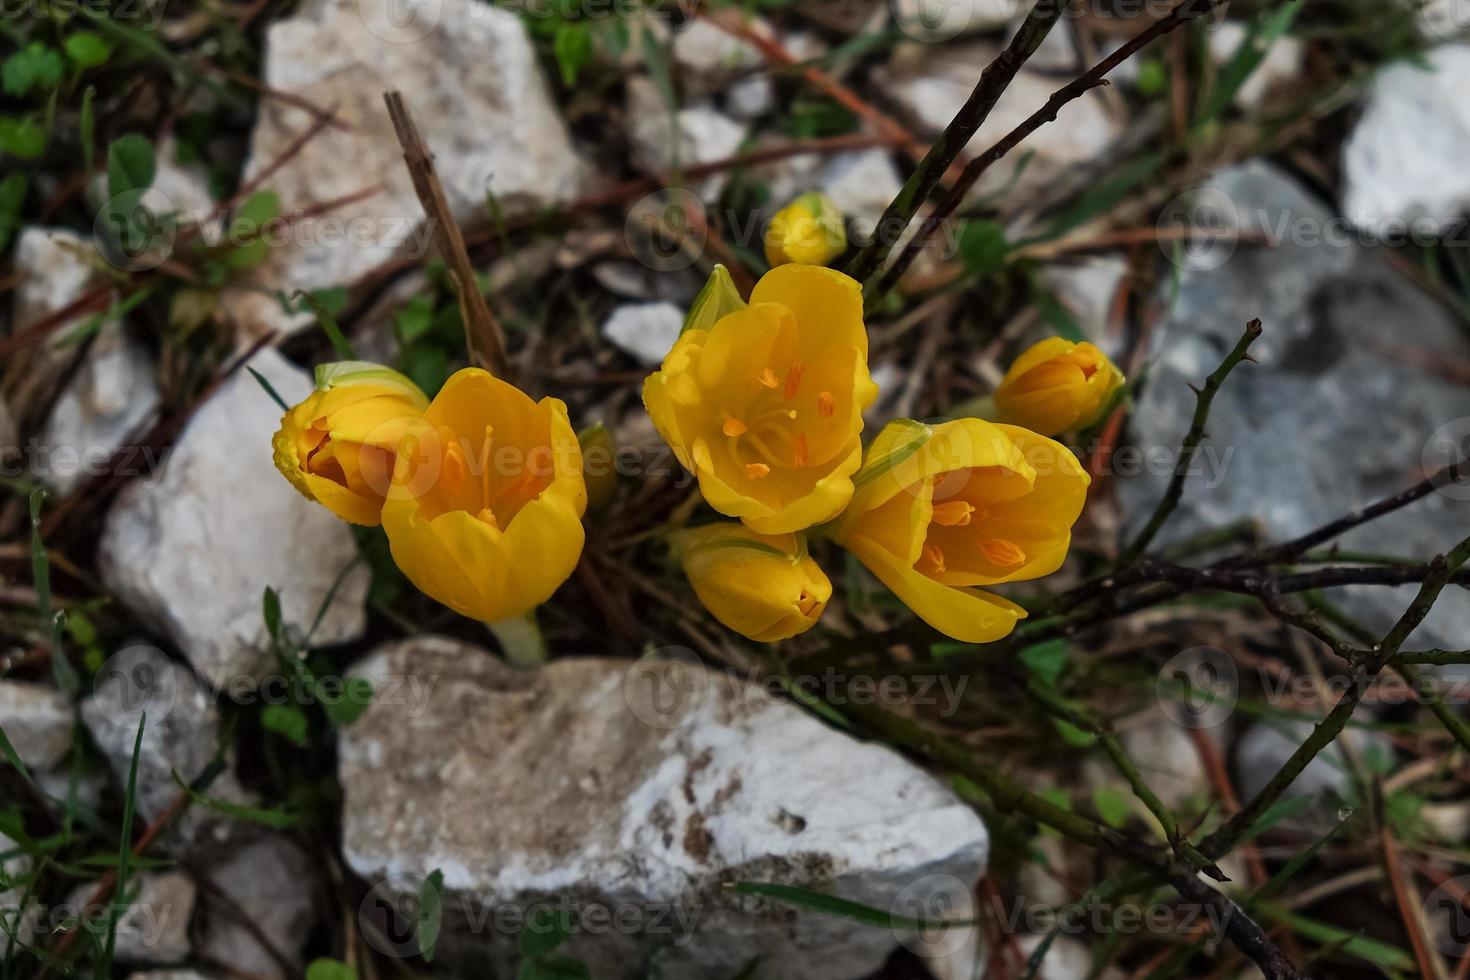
<point>352,781</point>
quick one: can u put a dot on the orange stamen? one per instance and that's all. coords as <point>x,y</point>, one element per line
<point>734,428</point>
<point>953,513</point>
<point>798,451</point>
<point>1001,552</point>
<point>793,378</point>
<point>757,470</point>
<point>826,404</point>
<point>934,556</point>
<point>768,378</point>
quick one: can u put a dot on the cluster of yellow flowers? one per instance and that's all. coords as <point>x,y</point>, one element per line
<point>481,491</point>
<point>764,403</point>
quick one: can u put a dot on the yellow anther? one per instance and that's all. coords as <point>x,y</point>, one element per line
<point>826,404</point>
<point>487,516</point>
<point>768,378</point>
<point>793,378</point>
<point>934,557</point>
<point>953,513</point>
<point>734,428</point>
<point>999,551</point>
<point>757,470</point>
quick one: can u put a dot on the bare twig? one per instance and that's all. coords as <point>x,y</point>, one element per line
<point>483,337</point>
<point>1190,446</point>
<point>993,82</point>
<point>1184,12</point>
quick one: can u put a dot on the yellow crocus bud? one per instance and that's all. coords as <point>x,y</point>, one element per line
<point>337,446</point>
<point>942,511</point>
<point>766,406</point>
<point>599,468</point>
<point>485,509</point>
<point>808,231</point>
<point>1057,386</point>
<point>765,587</point>
<point>718,298</point>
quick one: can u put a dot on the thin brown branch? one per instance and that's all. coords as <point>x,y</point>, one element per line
<point>483,337</point>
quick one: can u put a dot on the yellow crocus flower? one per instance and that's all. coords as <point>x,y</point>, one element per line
<point>941,511</point>
<point>808,231</point>
<point>485,509</point>
<point>765,587</point>
<point>766,406</point>
<point>1057,386</point>
<point>337,446</point>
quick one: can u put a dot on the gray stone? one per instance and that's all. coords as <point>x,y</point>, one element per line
<point>38,722</point>
<point>1329,420</point>
<point>269,882</point>
<point>112,397</point>
<point>470,77</point>
<point>181,734</point>
<point>1282,62</point>
<point>932,86</point>
<point>750,98</point>
<point>171,975</point>
<point>691,135</point>
<point>1266,745</point>
<point>645,330</point>
<point>710,57</point>
<point>154,931</point>
<point>668,782</point>
<point>193,551</point>
<point>941,20</point>
<point>1404,161</point>
<point>862,184</point>
<point>1088,289</point>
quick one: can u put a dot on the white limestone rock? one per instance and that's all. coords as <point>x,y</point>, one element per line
<point>38,721</point>
<point>941,20</point>
<point>470,78</point>
<point>862,184</point>
<point>1282,63</point>
<point>181,735</point>
<point>154,931</point>
<point>645,330</point>
<point>667,783</point>
<point>692,135</point>
<point>193,551</point>
<point>1404,161</point>
<point>931,86</point>
<point>270,882</point>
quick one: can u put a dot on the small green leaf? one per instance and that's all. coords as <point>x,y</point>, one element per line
<point>357,697</point>
<point>545,930</point>
<point>250,249</point>
<point>414,318</point>
<point>1047,661</point>
<point>272,817</point>
<point>1112,806</point>
<point>34,65</point>
<point>572,47</point>
<point>431,903</point>
<point>23,138</point>
<point>87,49</point>
<point>270,389</point>
<point>984,247</point>
<point>553,968</point>
<point>131,165</point>
<point>13,757</point>
<point>843,908</point>
<point>287,721</point>
<point>330,970</point>
<point>12,199</point>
